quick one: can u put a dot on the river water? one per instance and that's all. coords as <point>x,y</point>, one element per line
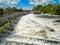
<point>33,29</point>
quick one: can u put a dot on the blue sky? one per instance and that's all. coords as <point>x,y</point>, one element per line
<point>26,4</point>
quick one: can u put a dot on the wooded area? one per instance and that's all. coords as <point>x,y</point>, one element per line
<point>49,9</point>
<point>10,10</point>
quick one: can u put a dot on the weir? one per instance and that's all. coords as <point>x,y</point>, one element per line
<point>34,30</point>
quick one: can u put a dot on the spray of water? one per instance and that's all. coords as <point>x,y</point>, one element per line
<point>33,30</point>
<point>32,25</point>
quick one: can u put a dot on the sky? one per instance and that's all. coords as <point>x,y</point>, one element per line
<point>26,4</point>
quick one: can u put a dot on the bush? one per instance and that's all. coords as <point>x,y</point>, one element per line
<point>57,12</point>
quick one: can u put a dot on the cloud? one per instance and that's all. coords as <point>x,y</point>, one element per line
<point>5,3</point>
<point>42,2</point>
<point>59,1</point>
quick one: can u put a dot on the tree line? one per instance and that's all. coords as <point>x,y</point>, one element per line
<point>49,9</point>
<point>10,10</point>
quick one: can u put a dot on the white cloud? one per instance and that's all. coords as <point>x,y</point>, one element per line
<point>59,1</point>
<point>5,3</point>
<point>43,2</point>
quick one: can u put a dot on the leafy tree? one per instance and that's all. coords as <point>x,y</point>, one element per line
<point>42,9</point>
<point>14,9</point>
<point>57,11</point>
<point>1,10</point>
<point>49,9</point>
<point>8,9</point>
<point>37,7</point>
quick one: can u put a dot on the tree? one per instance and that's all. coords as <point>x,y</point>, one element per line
<point>48,8</point>
<point>14,9</point>
<point>20,10</point>
<point>1,10</point>
<point>42,9</point>
<point>8,9</point>
<point>57,11</point>
<point>37,7</point>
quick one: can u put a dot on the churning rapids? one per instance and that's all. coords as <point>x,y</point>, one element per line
<point>33,29</point>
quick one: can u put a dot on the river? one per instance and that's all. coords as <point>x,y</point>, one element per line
<point>35,29</point>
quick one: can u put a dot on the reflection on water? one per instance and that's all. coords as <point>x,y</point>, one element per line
<point>33,29</point>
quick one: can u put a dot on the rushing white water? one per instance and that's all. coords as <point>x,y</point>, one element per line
<point>30,25</point>
<point>35,30</point>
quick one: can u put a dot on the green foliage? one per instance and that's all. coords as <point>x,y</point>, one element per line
<point>49,9</point>
<point>57,11</point>
<point>42,9</point>
<point>14,9</point>
<point>1,10</point>
<point>8,9</point>
<point>37,7</point>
